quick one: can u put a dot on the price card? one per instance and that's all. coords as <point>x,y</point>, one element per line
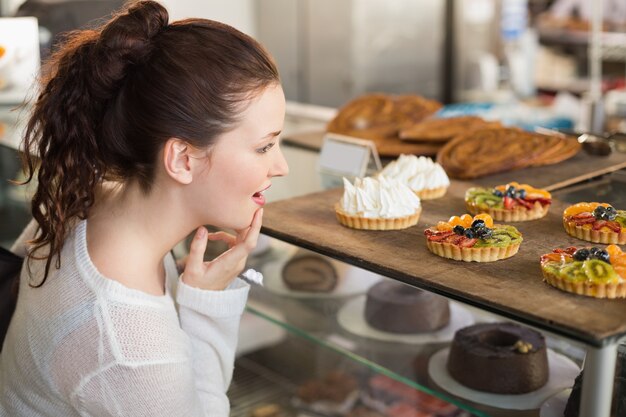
<point>345,156</point>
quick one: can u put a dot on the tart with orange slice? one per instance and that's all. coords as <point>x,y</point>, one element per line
<point>512,202</point>
<point>476,239</point>
<point>596,222</point>
<point>593,272</point>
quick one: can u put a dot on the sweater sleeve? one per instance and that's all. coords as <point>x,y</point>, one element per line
<point>19,247</point>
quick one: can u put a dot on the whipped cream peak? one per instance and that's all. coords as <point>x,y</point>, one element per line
<point>379,197</point>
<point>419,173</point>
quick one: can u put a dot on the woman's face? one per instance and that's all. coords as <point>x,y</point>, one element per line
<point>242,163</point>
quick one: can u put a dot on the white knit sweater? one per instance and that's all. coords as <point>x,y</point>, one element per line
<point>85,345</point>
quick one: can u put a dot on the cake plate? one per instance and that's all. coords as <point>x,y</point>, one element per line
<point>555,405</point>
<point>351,318</point>
<point>563,371</point>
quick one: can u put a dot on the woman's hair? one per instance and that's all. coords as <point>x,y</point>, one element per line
<point>112,97</point>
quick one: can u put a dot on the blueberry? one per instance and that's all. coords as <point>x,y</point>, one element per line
<point>478,223</point>
<point>458,229</point>
<point>610,209</point>
<point>484,233</point>
<point>470,233</point>
<point>594,251</point>
<point>599,212</point>
<point>610,213</point>
<point>603,255</point>
<point>510,191</point>
<point>498,193</point>
<point>581,254</point>
<point>522,193</point>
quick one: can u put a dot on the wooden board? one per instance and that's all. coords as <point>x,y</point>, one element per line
<point>512,287</point>
<point>551,177</point>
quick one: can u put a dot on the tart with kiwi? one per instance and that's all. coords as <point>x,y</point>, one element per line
<point>476,239</point>
<point>596,222</point>
<point>594,272</point>
<point>512,202</point>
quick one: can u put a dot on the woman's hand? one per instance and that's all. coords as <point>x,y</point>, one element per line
<point>219,273</point>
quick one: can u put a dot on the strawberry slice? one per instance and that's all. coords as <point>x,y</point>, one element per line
<point>524,203</point>
<point>438,237</point>
<point>599,224</point>
<point>583,220</point>
<point>468,243</point>
<point>614,226</point>
<point>455,239</point>
<point>582,216</point>
<point>509,203</point>
<point>542,201</point>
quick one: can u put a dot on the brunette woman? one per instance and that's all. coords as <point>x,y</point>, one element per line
<point>143,132</point>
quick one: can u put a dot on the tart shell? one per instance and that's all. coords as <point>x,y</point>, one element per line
<point>518,214</point>
<point>589,289</point>
<point>431,193</point>
<point>487,254</point>
<point>596,236</point>
<point>366,223</point>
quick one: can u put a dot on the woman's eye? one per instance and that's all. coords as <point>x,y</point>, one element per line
<point>265,148</point>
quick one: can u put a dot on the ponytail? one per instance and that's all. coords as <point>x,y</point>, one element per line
<point>64,133</point>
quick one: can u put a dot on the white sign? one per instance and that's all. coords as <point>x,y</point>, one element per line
<point>19,58</point>
<point>345,156</point>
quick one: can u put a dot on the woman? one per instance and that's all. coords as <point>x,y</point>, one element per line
<point>145,131</point>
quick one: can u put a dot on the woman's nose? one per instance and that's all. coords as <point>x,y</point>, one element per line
<point>280,167</point>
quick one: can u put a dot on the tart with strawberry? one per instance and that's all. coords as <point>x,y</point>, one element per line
<point>593,272</point>
<point>477,239</point>
<point>512,202</point>
<point>596,222</point>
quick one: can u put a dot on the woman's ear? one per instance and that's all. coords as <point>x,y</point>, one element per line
<point>177,161</point>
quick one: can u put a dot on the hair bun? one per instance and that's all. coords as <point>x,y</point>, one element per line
<point>127,37</point>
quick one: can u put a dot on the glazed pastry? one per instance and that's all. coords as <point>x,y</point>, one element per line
<point>477,239</point>
<point>596,222</point>
<point>378,204</point>
<point>593,272</point>
<point>425,177</point>
<point>512,202</point>
<point>309,272</point>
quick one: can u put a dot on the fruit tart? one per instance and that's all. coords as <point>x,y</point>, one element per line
<point>596,222</point>
<point>512,202</point>
<point>593,272</point>
<point>477,239</point>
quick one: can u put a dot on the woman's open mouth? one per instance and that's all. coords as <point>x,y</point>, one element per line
<point>258,197</point>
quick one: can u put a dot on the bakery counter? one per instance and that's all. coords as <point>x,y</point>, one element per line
<point>325,302</point>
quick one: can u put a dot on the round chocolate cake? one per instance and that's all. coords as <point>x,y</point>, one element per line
<point>398,308</point>
<point>502,358</point>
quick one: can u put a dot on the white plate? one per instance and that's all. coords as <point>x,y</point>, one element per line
<point>353,280</point>
<point>352,318</point>
<point>563,371</point>
<point>555,405</point>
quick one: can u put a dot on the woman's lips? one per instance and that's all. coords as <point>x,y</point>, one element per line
<point>258,198</point>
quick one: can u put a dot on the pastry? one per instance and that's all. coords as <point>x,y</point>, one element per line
<point>379,116</point>
<point>593,272</point>
<point>335,387</point>
<point>512,202</point>
<point>488,151</point>
<point>309,272</point>
<point>268,410</point>
<point>596,222</point>
<point>395,307</point>
<point>421,174</point>
<point>377,204</point>
<point>468,238</point>
<point>501,358</point>
<point>442,130</point>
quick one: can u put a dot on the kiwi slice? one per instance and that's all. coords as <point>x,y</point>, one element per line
<point>599,271</point>
<point>573,271</point>
<point>621,217</point>
<point>551,267</point>
<point>496,240</point>
<point>489,200</point>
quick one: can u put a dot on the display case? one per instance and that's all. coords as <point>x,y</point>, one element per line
<point>313,353</point>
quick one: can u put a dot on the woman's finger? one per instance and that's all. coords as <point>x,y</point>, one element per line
<point>224,237</point>
<point>195,260</point>
<point>255,229</point>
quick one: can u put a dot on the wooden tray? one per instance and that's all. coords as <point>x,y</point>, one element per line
<point>512,287</point>
<point>551,177</point>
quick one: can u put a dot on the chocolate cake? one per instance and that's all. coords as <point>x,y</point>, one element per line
<point>398,308</point>
<point>502,358</point>
<point>618,405</point>
<point>309,272</point>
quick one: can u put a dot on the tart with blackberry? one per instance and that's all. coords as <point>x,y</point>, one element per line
<point>512,202</point>
<point>476,239</point>
<point>596,222</point>
<point>593,272</point>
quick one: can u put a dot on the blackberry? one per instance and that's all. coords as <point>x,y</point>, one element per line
<point>484,233</point>
<point>510,191</point>
<point>594,251</point>
<point>478,223</point>
<point>458,229</point>
<point>603,255</point>
<point>470,233</point>
<point>581,254</point>
<point>599,213</point>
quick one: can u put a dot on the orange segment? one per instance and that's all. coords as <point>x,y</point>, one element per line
<point>614,251</point>
<point>455,220</point>
<point>444,226</point>
<point>486,218</point>
<point>466,220</point>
